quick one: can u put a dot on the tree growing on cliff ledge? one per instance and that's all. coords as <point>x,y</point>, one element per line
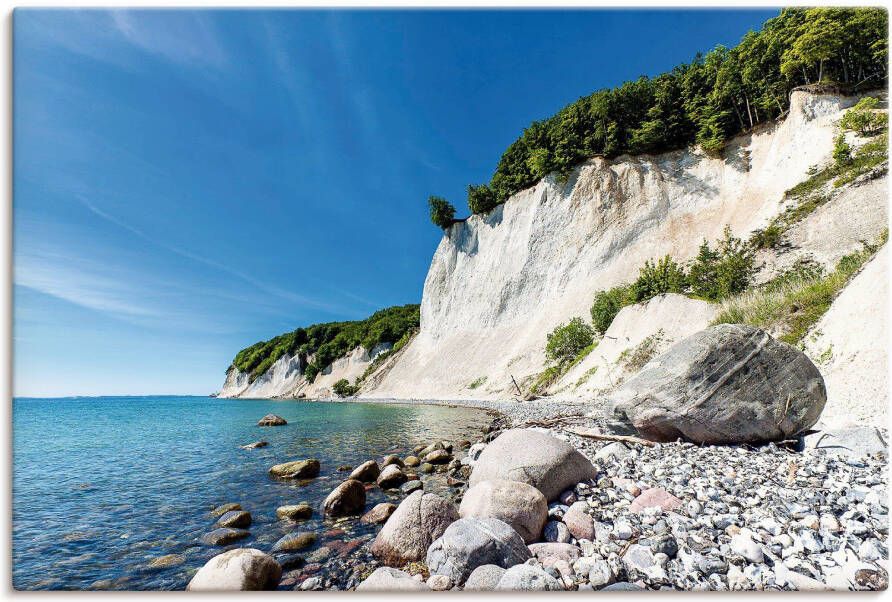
<point>442,212</point>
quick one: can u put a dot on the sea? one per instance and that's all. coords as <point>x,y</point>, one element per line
<point>102,486</point>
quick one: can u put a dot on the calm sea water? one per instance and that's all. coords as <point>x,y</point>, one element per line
<point>101,486</point>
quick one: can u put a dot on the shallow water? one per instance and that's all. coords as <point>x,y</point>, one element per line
<point>101,486</point>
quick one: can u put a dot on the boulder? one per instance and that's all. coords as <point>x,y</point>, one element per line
<point>366,472</point>
<point>418,520</point>
<point>535,458</point>
<point>242,569</point>
<point>579,522</point>
<point>254,445</point>
<point>272,420</point>
<point>224,508</point>
<point>730,383</point>
<point>411,461</point>
<point>438,456</point>
<point>391,477</point>
<point>520,505</point>
<point>166,561</point>
<point>235,518</point>
<point>386,579</point>
<point>471,542</point>
<point>347,498</point>
<point>295,541</point>
<point>379,514</point>
<point>484,578</point>
<point>550,552</point>
<point>392,459</point>
<point>299,469</point>
<point>295,511</point>
<point>523,577</point>
<point>656,497</point>
<point>411,486</point>
<point>223,536</point>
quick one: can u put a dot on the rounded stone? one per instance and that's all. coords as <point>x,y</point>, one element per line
<point>366,472</point>
<point>471,542</point>
<point>418,520</point>
<point>242,569</point>
<point>235,518</point>
<point>298,469</point>
<point>346,499</point>
<point>520,505</point>
<point>295,541</point>
<point>295,511</point>
<point>272,420</point>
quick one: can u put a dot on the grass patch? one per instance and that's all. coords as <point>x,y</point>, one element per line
<point>584,378</point>
<point>552,374</point>
<point>791,304</point>
<point>477,382</point>
<point>634,359</point>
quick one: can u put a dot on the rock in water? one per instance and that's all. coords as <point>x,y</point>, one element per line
<point>471,542</point>
<point>235,518</point>
<point>535,458</point>
<point>272,420</point>
<point>520,505</point>
<point>295,511</point>
<point>730,383</point>
<point>524,577</point>
<point>391,477</point>
<point>386,579</point>
<point>300,469</point>
<point>223,536</point>
<point>295,541</point>
<point>379,514</point>
<point>255,445</point>
<point>418,520</point>
<point>347,498</point>
<point>224,508</point>
<point>366,472</point>
<point>242,569</point>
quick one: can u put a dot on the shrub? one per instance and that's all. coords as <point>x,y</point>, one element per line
<point>442,213</point>
<point>481,199</point>
<point>863,119</point>
<point>842,152</point>
<point>664,276</point>
<point>343,388</point>
<point>767,238</point>
<point>567,340</point>
<point>607,304</point>
<point>716,274</point>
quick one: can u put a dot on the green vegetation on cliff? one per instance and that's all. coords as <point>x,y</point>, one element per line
<point>329,341</point>
<point>707,101</point>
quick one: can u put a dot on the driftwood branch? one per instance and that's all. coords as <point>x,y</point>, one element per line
<point>598,436</point>
<point>519,392</point>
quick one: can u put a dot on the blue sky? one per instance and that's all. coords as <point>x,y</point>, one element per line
<point>189,182</point>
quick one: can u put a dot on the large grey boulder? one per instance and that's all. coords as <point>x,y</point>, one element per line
<point>524,577</point>
<point>520,505</point>
<point>386,579</point>
<point>549,464</point>
<point>418,520</point>
<point>471,542</point>
<point>242,569</point>
<point>484,578</point>
<point>730,383</point>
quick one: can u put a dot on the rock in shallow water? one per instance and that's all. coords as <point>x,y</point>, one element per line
<point>347,498</point>
<point>520,505</point>
<point>223,536</point>
<point>379,514</point>
<point>224,508</point>
<point>418,520</point>
<point>295,511</point>
<point>471,542</point>
<point>272,420</point>
<point>391,477</point>
<point>235,518</point>
<point>549,464</point>
<point>729,383</point>
<point>295,541</point>
<point>242,569</point>
<point>299,469</point>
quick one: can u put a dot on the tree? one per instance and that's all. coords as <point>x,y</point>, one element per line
<point>664,276</point>
<point>842,152</point>
<point>727,270</point>
<point>607,304</point>
<point>566,341</point>
<point>442,213</point>
<point>343,388</point>
<point>481,199</point>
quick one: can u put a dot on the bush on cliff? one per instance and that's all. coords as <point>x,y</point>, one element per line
<point>442,212</point>
<point>567,340</point>
<point>658,278</point>
<point>864,119</point>
<point>343,388</point>
<point>712,98</point>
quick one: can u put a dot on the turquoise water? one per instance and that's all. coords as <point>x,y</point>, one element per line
<point>101,486</point>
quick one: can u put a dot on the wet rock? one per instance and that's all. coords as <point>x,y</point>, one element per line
<point>293,542</point>
<point>387,579</point>
<point>729,383</point>
<point>295,511</point>
<point>242,569</point>
<point>254,445</point>
<point>166,561</point>
<point>235,518</point>
<point>427,468</point>
<point>345,468</point>
<point>484,578</point>
<point>438,456</point>
<point>392,459</point>
<point>471,542</point>
<point>418,520</point>
<point>379,514</point>
<point>411,461</point>
<point>311,584</point>
<point>656,497</point>
<point>272,420</point>
<point>223,536</point>
<point>299,469</point>
<point>520,505</point>
<point>411,486</point>
<point>535,458</point>
<point>366,472</point>
<point>391,477</point>
<point>224,508</point>
<point>346,499</point>
<point>523,577</point>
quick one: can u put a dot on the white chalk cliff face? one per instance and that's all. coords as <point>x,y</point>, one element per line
<point>498,283</point>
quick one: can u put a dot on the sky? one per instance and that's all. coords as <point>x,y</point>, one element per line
<point>187,183</point>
